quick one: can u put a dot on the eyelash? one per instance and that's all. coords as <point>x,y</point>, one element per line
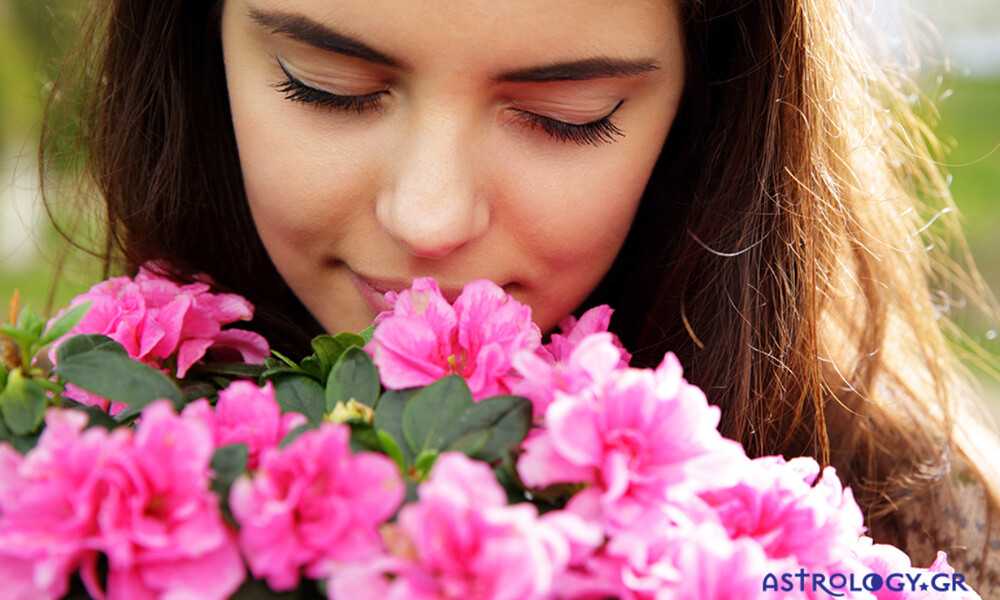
<point>595,133</point>
<point>296,91</point>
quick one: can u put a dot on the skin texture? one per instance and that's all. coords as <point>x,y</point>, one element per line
<point>447,174</point>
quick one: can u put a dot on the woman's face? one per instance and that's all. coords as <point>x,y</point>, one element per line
<point>390,139</point>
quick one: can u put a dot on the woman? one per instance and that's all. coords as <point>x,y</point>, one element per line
<point>736,178</point>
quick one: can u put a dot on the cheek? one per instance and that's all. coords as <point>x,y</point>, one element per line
<point>571,215</point>
<point>306,185</point>
<point>575,215</point>
<point>570,227</point>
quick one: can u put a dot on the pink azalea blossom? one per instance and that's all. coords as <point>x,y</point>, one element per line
<point>583,370</point>
<point>155,318</point>
<point>246,414</point>
<point>573,331</point>
<point>885,560</point>
<point>638,439</point>
<point>690,561</point>
<point>461,541</point>
<point>159,524</point>
<point>791,510</point>
<point>311,504</point>
<point>667,553</point>
<point>425,338</point>
<point>142,499</point>
<point>48,504</point>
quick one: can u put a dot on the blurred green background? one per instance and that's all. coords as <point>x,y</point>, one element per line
<point>35,34</point>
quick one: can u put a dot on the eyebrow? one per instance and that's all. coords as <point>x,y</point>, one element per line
<point>580,70</point>
<point>320,36</point>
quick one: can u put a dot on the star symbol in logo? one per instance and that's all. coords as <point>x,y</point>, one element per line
<point>923,586</point>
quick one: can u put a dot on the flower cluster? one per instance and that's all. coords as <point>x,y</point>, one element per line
<point>664,506</point>
<point>143,499</point>
<point>454,456</point>
<point>166,325</point>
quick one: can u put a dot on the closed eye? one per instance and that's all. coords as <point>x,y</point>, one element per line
<point>297,91</point>
<point>594,133</point>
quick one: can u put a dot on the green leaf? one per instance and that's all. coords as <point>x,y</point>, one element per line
<point>351,339</point>
<point>229,369</point>
<point>471,443</point>
<point>98,417</point>
<point>295,433</point>
<point>389,418</point>
<point>121,379</point>
<point>195,390</point>
<point>88,342</point>
<point>425,462</point>
<point>327,351</point>
<point>23,339</point>
<point>22,404</point>
<point>363,437</point>
<point>21,443</point>
<point>507,418</point>
<point>5,433</point>
<point>391,448</point>
<point>273,373</point>
<point>288,362</point>
<point>29,322</point>
<point>273,363</point>
<point>354,376</point>
<point>310,366</point>
<point>297,392</point>
<point>3,378</point>
<point>229,462</point>
<point>63,324</point>
<point>368,333</point>
<point>434,411</point>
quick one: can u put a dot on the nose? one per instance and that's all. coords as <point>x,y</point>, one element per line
<point>431,205</point>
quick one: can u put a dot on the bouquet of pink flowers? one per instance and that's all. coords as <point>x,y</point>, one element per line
<point>445,453</point>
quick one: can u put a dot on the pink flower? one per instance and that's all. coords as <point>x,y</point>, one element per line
<point>159,524</point>
<point>461,541</point>
<point>595,320</point>
<point>639,438</point>
<point>791,511</point>
<point>583,370</point>
<point>692,560</point>
<point>312,503</point>
<point>665,554</point>
<point>424,338</point>
<point>246,414</point>
<point>141,499</point>
<point>155,318</point>
<point>48,504</point>
<point>899,577</point>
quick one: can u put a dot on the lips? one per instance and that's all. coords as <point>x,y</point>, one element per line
<point>373,290</point>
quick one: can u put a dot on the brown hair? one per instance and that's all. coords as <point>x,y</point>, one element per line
<point>777,251</point>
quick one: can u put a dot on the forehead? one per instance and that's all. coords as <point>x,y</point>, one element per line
<point>487,33</point>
